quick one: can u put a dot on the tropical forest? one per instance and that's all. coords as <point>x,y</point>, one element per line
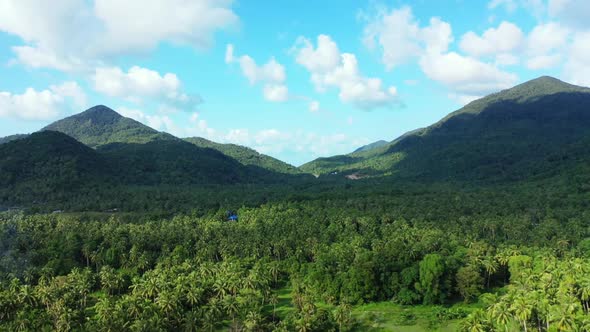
<point>118,220</point>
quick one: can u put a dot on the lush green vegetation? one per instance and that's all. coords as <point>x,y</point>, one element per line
<point>314,264</point>
<point>482,224</point>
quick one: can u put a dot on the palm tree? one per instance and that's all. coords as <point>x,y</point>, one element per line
<point>490,266</point>
<point>252,321</point>
<point>475,322</point>
<point>232,308</point>
<point>274,271</point>
<point>27,295</point>
<point>522,311</point>
<point>564,315</point>
<point>499,313</point>
<point>168,302</point>
<point>193,295</point>
<point>274,300</point>
<point>584,292</point>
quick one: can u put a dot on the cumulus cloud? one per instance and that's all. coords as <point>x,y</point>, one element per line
<point>271,74</point>
<point>401,39</point>
<point>138,83</point>
<point>68,30</point>
<point>545,44</point>
<point>41,105</point>
<point>540,49</point>
<point>465,76</point>
<point>397,35</point>
<point>504,39</point>
<point>331,69</point>
<point>577,68</point>
<point>545,38</point>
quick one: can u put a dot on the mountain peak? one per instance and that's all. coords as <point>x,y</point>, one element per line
<point>541,86</point>
<point>528,91</point>
<point>546,85</point>
<point>371,146</point>
<point>100,125</point>
<point>99,114</point>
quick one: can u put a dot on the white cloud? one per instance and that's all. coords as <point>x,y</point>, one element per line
<point>322,59</point>
<point>465,76</point>
<point>72,90</point>
<point>138,83</point>
<point>344,74</point>
<point>504,39</point>
<point>41,105</point>
<point>314,106</point>
<point>158,122</point>
<point>541,48</point>
<point>545,45</point>
<point>577,68</point>
<point>275,92</point>
<point>543,61</point>
<point>397,34</point>
<point>36,57</point>
<point>272,74</point>
<point>506,59</point>
<point>545,38</point>
<point>272,71</point>
<point>66,30</point>
<point>137,25</point>
<point>437,36</point>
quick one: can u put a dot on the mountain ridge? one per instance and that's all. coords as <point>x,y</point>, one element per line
<point>245,155</point>
<point>521,112</point>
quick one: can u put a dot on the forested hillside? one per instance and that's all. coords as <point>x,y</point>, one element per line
<point>534,129</point>
<point>245,155</point>
<point>47,165</point>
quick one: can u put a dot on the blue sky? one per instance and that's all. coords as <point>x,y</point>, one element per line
<point>291,79</point>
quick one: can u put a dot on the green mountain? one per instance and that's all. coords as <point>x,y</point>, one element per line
<point>534,129</point>
<point>372,146</point>
<point>47,163</point>
<point>52,170</point>
<point>176,162</point>
<point>246,155</point>
<point>101,125</point>
<point>12,138</point>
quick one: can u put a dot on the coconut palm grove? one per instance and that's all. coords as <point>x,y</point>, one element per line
<point>444,187</point>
